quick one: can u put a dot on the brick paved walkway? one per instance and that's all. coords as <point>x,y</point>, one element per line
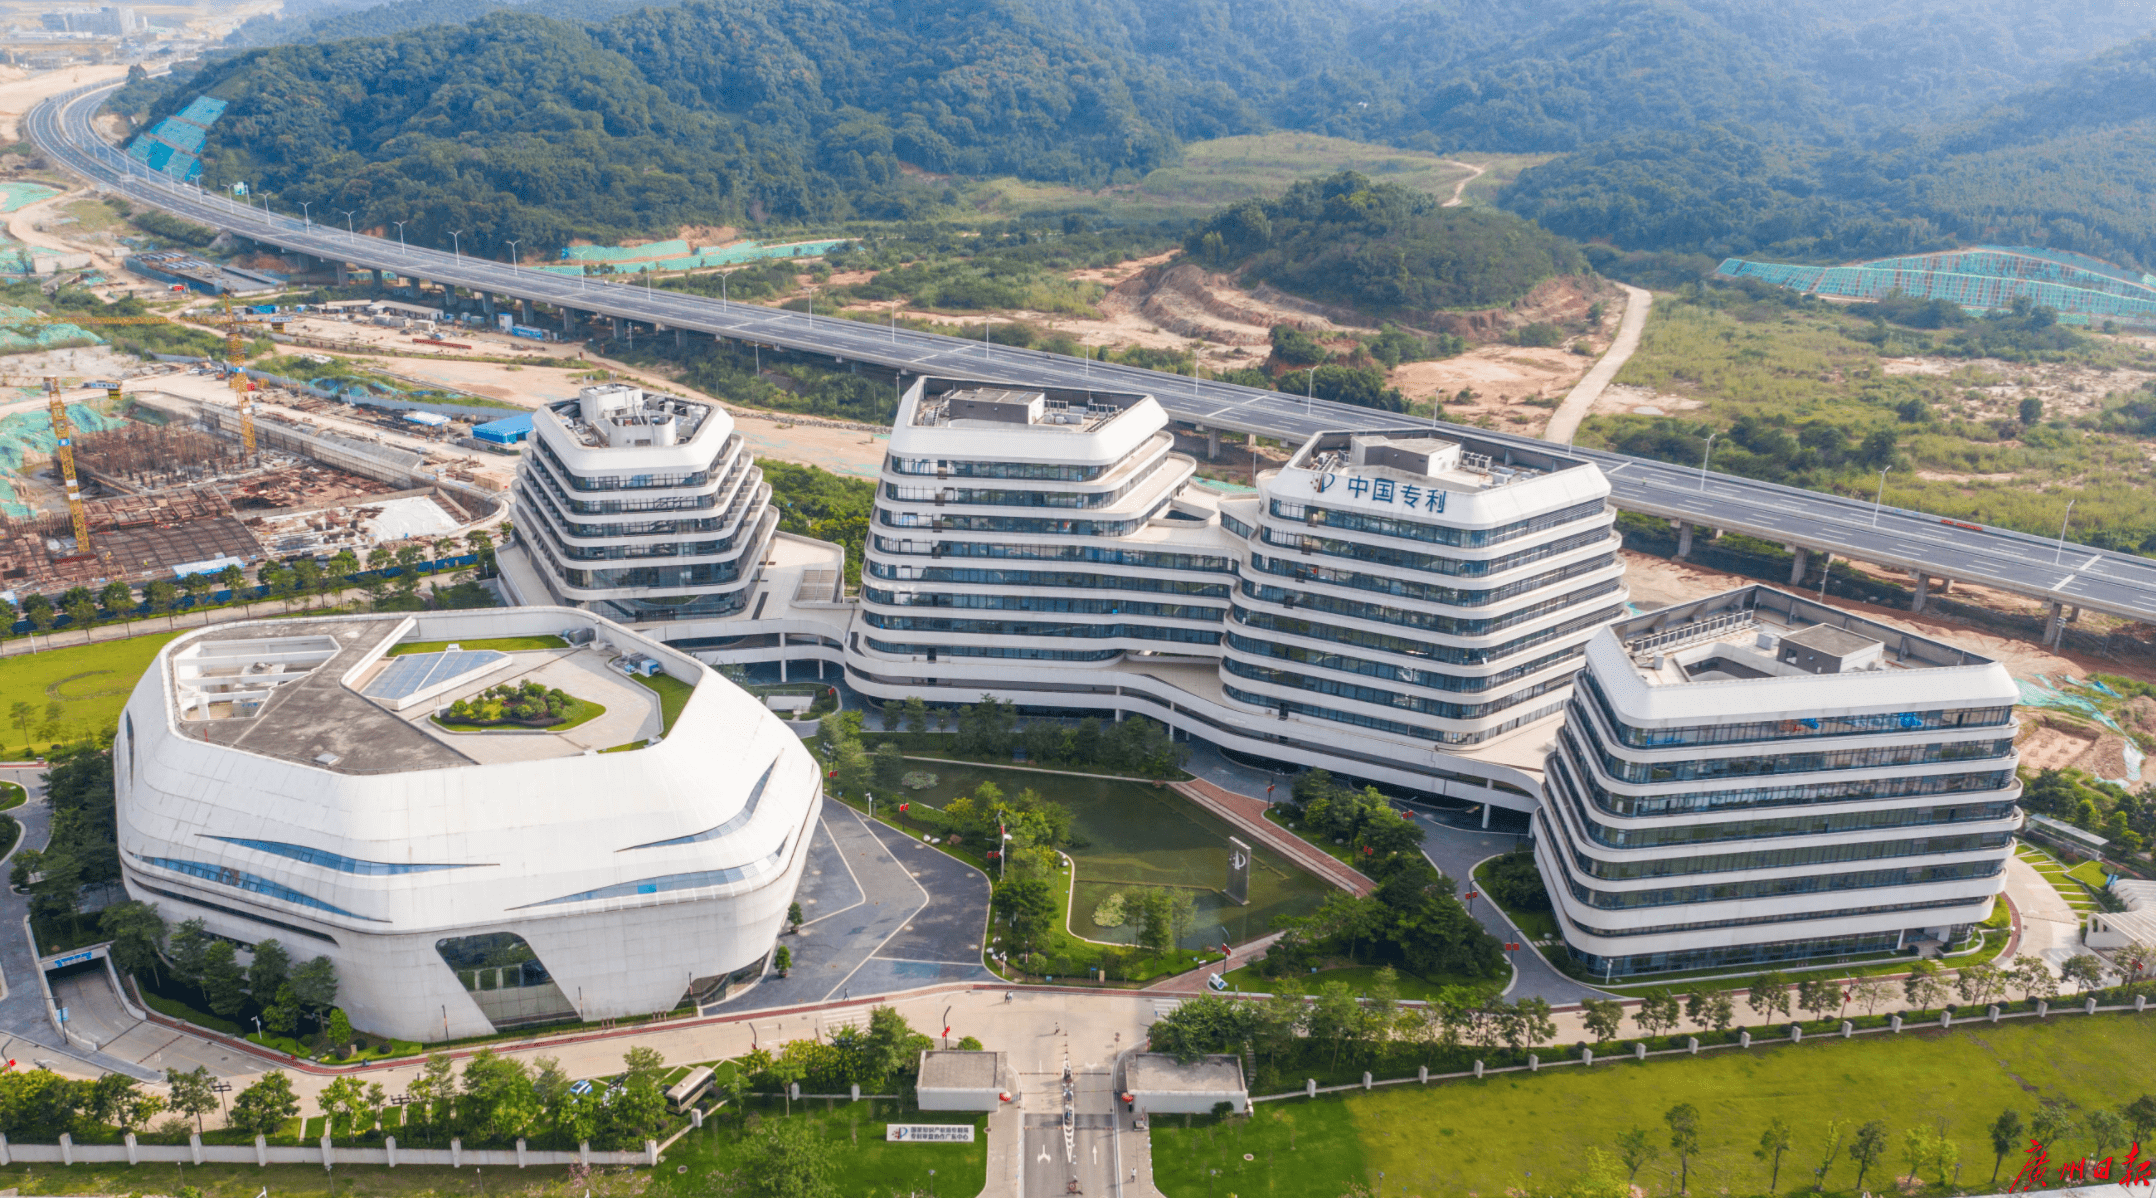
<point>1249,814</point>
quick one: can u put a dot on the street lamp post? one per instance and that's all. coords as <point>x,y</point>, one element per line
<point>456,247</point>
<point>304,215</point>
<point>2062,532</point>
<point>400,233</point>
<point>512,256</point>
<point>1703,460</point>
<point>1880,498</point>
<point>349,213</point>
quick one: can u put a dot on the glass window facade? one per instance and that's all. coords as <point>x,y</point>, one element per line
<point>335,861</point>
<point>1043,603</point>
<point>225,875</point>
<point>941,468</point>
<point>1413,647</point>
<point>976,576</point>
<point>1869,879</point>
<point>1409,559</point>
<point>1140,632</point>
<point>1850,791</point>
<point>1797,727</point>
<point>1423,592</point>
<point>1442,708</point>
<point>1434,679</point>
<point>1008,652</point>
<point>1427,621</point>
<point>1105,555</point>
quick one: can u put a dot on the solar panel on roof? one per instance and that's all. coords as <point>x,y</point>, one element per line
<point>416,672</point>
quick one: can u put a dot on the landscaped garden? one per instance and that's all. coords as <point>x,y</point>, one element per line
<point>500,644</point>
<point>526,706</point>
<point>1922,1102</point>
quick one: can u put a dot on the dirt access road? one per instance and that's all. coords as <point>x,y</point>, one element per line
<point>1566,421</point>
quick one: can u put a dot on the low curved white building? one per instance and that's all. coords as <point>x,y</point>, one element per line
<point>284,779</point>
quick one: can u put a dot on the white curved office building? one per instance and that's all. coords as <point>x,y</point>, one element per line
<point>643,507</point>
<point>285,779</point>
<point>1756,777</point>
<point>1389,605</point>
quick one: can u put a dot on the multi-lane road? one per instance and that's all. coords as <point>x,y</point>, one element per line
<point>2069,574</point>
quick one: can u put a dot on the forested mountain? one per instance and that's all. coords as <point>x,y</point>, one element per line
<point>2069,165</point>
<point>1804,127</point>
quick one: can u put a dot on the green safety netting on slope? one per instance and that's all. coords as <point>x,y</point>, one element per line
<point>29,338</point>
<point>677,255</point>
<point>2038,691</point>
<point>15,194</point>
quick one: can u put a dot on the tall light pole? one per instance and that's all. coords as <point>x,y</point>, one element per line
<point>304,215</point>
<point>400,233</point>
<point>2062,532</point>
<point>512,256</point>
<point>1881,497</point>
<point>1310,391</point>
<point>1703,460</point>
<point>456,247</point>
<point>348,214</point>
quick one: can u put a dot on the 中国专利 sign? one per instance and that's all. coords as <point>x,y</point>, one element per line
<point>1383,490</point>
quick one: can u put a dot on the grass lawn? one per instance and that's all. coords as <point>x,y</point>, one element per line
<point>296,1181</point>
<point>175,1009</point>
<point>1359,979</point>
<point>506,644</point>
<point>1487,1137</point>
<point>673,696</point>
<point>863,1162</point>
<point>2090,873</point>
<point>90,682</point>
<point>580,711</point>
<point>12,795</point>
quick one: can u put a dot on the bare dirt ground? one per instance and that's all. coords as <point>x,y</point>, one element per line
<point>1618,399</point>
<point>20,90</point>
<point>1990,389</point>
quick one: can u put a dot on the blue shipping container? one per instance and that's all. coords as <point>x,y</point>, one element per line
<point>525,330</point>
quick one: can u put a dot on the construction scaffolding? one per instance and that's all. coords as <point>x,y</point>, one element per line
<point>2082,290</point>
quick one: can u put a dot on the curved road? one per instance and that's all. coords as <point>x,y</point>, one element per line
<point>2033,566</point>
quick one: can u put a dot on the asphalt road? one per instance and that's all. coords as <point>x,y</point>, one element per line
<point>2115,583</point>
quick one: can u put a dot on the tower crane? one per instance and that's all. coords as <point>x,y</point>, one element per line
<point>63,432</point>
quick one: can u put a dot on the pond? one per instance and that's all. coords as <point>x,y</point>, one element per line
<point>1134,835</point>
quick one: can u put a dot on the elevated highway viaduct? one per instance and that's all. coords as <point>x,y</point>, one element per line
<point>2068,577</point>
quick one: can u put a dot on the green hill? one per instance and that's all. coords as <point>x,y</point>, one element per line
<point>1381,248</point>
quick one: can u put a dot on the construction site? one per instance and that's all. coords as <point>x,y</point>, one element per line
<point>151,485</point>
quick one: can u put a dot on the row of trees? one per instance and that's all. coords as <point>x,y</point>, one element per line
<point>1923,1149</point>
<point>1336,1027</point>
<point>1772,996</point>
<point>271,985</point>
<point>300,578</point>
<point>1132,745</point>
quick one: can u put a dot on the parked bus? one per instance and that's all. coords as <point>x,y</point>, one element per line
<point>685,1093</point>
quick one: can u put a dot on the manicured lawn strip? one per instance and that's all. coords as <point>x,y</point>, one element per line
<point>1359,979</point>
<point>2090,873</point>
<point>504,644</point>
<point>673,696</point>
<point>862,1161</point>
<point>91,683</point>
<point>1485,1137</point>
<point>580,711</point>
<point>1994,947</point>
<point>937,753</point>
<point>12,795</point>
